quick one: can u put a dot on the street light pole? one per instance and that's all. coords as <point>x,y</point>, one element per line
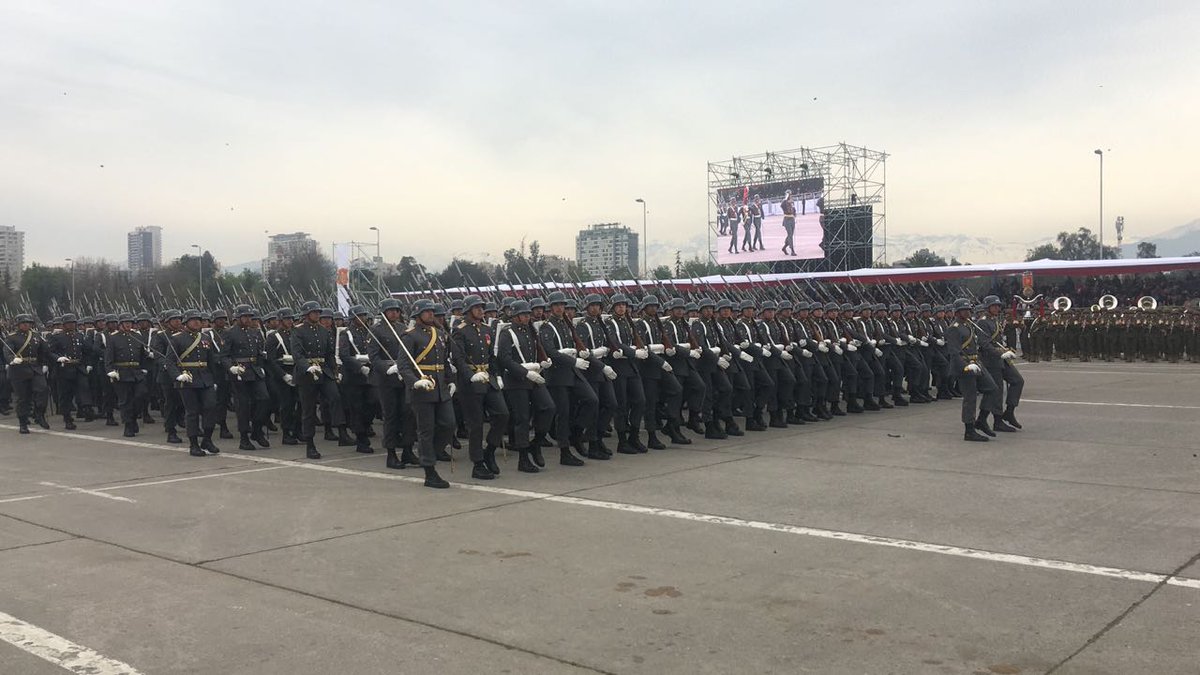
<point>378,260</point>
<point>200,271</point>
<point>1102,206</point>
<point>72,261</point>
<point>645,242</point>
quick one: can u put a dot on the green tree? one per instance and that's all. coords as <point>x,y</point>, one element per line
<point>1147,249</point>
<point>1043,252</point>
<point>922,258</point>
<point>660,272</point>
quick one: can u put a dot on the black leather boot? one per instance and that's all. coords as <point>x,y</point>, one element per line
<point>173,436</point>
<point>998,424</point>
<point>260,437</point>
<point>225,432</point>
<point>1011,417</point>
<point>525,464</point>
<point>653,442</point>
<point>23,425</point>
<point>408,458</point>
<point>535,452</point>
<point>206,444</point>
<point>732,428</point>
<point>245,443</point>
<point>433,480</point>
<point>982,425</point>
<point>972,435</point>
<point>363,444</point>
<point>568,458</point>
<point>489,458</point>
<point>194,447</point>
<point>69,423</point>
<point>343,438</point>
<point>330,435</point>
<point>310,450</point>
<point>624,447</point>
<point>481,471</point>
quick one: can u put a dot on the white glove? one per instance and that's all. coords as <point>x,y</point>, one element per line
<point>583,354</point>
<point>424,384</point>
<point>288,359</point>
<point>842,340</point>
<point>393,369</point>
<point>63,359</point>
<point>667,367</point>
<point>837,349</point>
<point>17,361</point>
<point>823,347</point>
<point>641,353</point>
<point>289,380</point>
<point>744,344</point>
<point>746,357</point>
<point>851,347</point>
<point>532,367</point>
<point>600,352</point>
<point>1009,355</point>
<point>806,354</point>
<point>582,364</point>
<point>365,370</point>
<point>362,358</point>
<point>610,373</point>
<point>779,348</point>
<point>113,375</point>
<point>88,370</point>
<point>787,357</point>
<point>453,388</point>
<point>941,342</point>
<point>314,369</point>
<point>214,386</point>
<point>694,353</point>
<point>618,354</point>
<point>546,364</point>
<point>152,355</point>
<point>872,342</point>
<point>500,383</point>
<point>973,368</point>
<point>657,348</point>
<point>723,362</point>
<point>923,343</point>
<point>791,347</point>
<point>912,340</point>
<point>237,370</point>
<point>534,377</point>
<point>899,342</point>
<point>878,352</point>
<point>670,351</point>
<point>184,377</point>
<point>337,377</point>
<point>715,350</point>
<point>567,351</point>
<point>856,342</point>
<point>480,377</point>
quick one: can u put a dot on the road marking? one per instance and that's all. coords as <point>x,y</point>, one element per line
<point>186,478</point>
<point>1117,405</point>
<point>22,499</point>
<point>711,519</point>
<point>59,650</point>
<point>85,491</point>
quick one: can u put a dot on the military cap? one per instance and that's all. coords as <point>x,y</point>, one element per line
<point>556,298</point>
<point>520,307</point>
<point>572,304</point>
<point>706,302</point>
<point>470,302</point>
<point>847,307</point>
<point>618,299</point>
<point>507,301</point>
<point>910,309</point>
<point>125,317</point>
<point>327,313</point>
<point>87,319</point>
<point>55,321</point>
<point>745,304</point>
<point>490,307</point>
<point>144,316</point>
<point>219,314</point>
<point>862,306</point>
<point>421,306</point>
<point>190,314</point>
<point>724,303</point>
<point>593,299</point>
<point>24,318</point>
<point>831,307</point>
<point>172,314</point>
<point>879,307</point>
<point>390,303</point>
<point>802,306</point>
<point>537,302</point>
<point>310,306</point>
<point>962,303</point>
<point>785,304</point>
<point>243,310</point>
<point>70,318</point>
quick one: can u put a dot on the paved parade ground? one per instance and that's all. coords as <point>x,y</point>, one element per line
<point>875,543</point>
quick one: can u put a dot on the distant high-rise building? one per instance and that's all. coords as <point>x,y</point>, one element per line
<point>12,255</point>
<point>145,249</point>
<point>282,248</point>
<point>605,247</point>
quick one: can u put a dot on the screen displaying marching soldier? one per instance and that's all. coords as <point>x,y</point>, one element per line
<point>770,221</point>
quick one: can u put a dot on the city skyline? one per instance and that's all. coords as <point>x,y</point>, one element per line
<point>188,118</point>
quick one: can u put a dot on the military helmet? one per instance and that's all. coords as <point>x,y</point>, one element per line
<point>992,300</point>
<point>618,299</point>
<point>360,310</point>
<point>724,303</point>
<point>326,312</point>
<point>847,307</point>
<point>490,307</point>
<point>785,304</point>
<point>243,310</point>
<point>707,302</point>
<point>70,318</point>
<point>439,309</point>
<point>284,313</point>
<point>894,307</point>
<point>802,306</point>
<point>110,318</point>
<point>169,314</point>
<point>421,306</point>
<point>470,302</point>
<point>519,307</point>
<point>125,317</point>
<point>190,314</point>
<point>390,303</point>
<point>862,306</point>
<point>556,298</point>
<point>879,307</point>
<point>507,301</point>
<point>456,305</point>
<point>925,307</point>
<point>831,307</point>
<point>593,299</point>
<point>219,314</point>
<point>536,303</point>
<point>769,305</point>
<point>651,300</point>
<point>962,303</point>
<point>910,309</point>
<point>691,307</point>
<point>24,318</point>
<point>141,316</point>
<point>572,304</point>
<point>310,306</point>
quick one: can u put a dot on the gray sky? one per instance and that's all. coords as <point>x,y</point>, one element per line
<point>462,127</point>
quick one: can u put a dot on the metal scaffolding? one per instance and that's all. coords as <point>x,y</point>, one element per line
<point>854,183</point>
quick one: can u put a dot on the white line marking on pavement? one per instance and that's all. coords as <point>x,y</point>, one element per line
<point>85,491</point>
<point>1118,405</point>
<point>186,478</point>
<point>59,650</point>
<point>21,499</point>
<point>712,519</point>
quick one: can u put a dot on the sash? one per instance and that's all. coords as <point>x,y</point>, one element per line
<point>429,347</point>
<point>196,343</point>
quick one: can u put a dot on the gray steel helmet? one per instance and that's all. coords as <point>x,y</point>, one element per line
<point>24,318</point>
<point>769,305</point>
<point>243,310</point>
<point>470,302</point>
<point>707,302</point>
<point>962,303</point>
<point>284,313</point>
<point>745,304</point>
<point>618,299</point>
<point>784,305</point>
<point>310,306</point>
<point>992,300</point>
<point>125,317</point>
<point>520,307</point>
<point>593,299</point>
<point>556,298</point>
<point>421,306</point>
<point>724,303</point>
<point>190,314</point>
<point>70,318</point>
<point>390,303</point>
<point>219,314</point>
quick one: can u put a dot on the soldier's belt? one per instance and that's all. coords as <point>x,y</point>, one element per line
<point>70,362</point>
<point>246,359</point>
<point>316,360</point>
<point>479,368</point>
<point>132,364</point>
<point>431,369</point>
<point>192,364</point>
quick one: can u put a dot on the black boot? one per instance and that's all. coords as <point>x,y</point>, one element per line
<point>481,471</point>
<point>260,437</point>
<point>129,432</point>
<point>455,443</point>
<point>535,452</point>
<point>835,409</point>
<point>525,464</point>
<point>489,459</point>
<point>596,451</point>
<point>146,418</point>
<point>408,458</point>
<point>696,425</point>
<point>676,434</point>
<point>870,404</point>
<point>972,435</point>
<point>853,406</point>
<point>207,445</point>
<point>110,421</point>
<point>807,415</point>
<point>329,435</point>
<point>310,450</point>
<point>363,444</point>
<point>653,443</point>
<point>40,420</point>
<point>225,432</point>
<point>624,447</point>
<point>885,404</point>
<point>899,401</point>
<point>998,424</point>
<point>1011,417</point>
<point>343,438</point>
<point>245,443</point>
<point>433,480</point>
<point>173,436</point>
<point>194,447</point>
<point>732,428</point>
<point>752,424</point>
<point>714,432</point>
<point>289,439</point>
<point>568,458</point>
<point>270,425</point>
<point>777,420</point>
<point>982,425</point>
<point>635,439</point>
<point>69,423</point>
<point>443,456</point>
<point>24,425</point>
<point>393,462</point>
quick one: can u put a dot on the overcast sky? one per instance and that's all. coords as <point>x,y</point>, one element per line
<point>463,127</point>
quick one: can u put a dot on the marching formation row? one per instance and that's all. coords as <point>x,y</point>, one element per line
<point>555,371</point>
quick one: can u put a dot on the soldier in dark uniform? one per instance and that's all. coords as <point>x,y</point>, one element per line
<point>431,387</point>
<point>144,330</point>
<point>776,361</point>
<point>218,324</point>
<point>625,348</point>
<point>354,350</point>
<point>517,362</point>
<point>574,399</point>
<point>963,340</point>
<point>600,375</point>
<point>126,361</point>
<point>716,406</point>
<point>171,321</point>
<point>27,359</point>
<point>789,223</point>
<point>731,216</point>
<point>471,347</point>
<point>812,379</point>
<point>385,358</point>
<point>245,351</point>
<point>280,366</point>
<point>102,390</point>
<point>71,353</point>
<point>193,360</point>
<point>997,358</point>
<point>685,363</point>
<point>658,381</point>
<point>756,217</point>
<point>314,351</point>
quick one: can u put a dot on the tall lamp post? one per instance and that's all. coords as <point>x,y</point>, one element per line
<point>378,260</point>
<point>645,243</point>
<point>200,271</point>
<point>1101,154</point>
<point>72,261</point>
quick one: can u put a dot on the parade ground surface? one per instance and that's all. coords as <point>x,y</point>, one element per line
<point>876,543</point>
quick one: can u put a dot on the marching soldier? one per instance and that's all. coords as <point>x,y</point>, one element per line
<point>574,399</point>
<point>471,346</point>
<point>194,360</point>
<point>517,358</point>
<point>963,339</point>
<point>281,380</point>
<point>314,351</point>
<point>385,360</point>
<point>71,353</point>
<point>431,388</point>
<point>161,346</point>
<point>27,359</point>
<point>125,364</point>
<point>593,335</point>
<point>354,349</point>
<point>245,351</point>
